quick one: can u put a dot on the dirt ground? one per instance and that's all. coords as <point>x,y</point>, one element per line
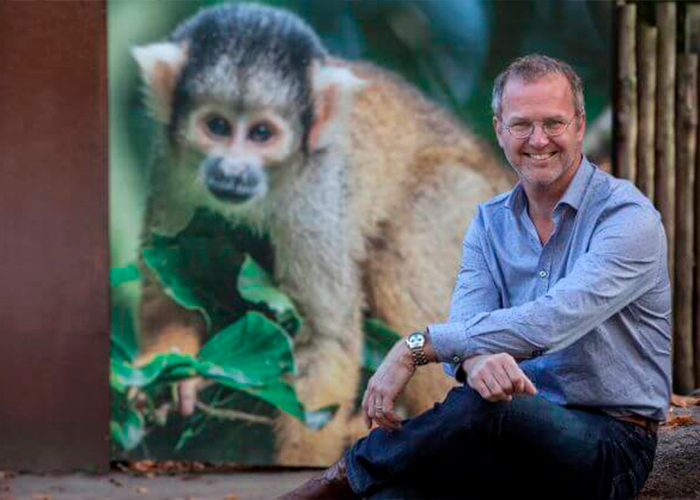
<point>676,475</point>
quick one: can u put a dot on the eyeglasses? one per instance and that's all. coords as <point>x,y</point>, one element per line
<point>553,128</point>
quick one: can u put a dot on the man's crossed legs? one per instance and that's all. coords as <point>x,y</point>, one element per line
<point>467,447</point>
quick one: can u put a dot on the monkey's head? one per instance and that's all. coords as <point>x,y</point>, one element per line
<point>245,92</point>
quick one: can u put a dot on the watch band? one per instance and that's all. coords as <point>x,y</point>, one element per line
<point>416,344</point>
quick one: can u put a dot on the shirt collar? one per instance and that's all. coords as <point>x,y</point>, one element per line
<point>516,198</point>
<point>573,196</point>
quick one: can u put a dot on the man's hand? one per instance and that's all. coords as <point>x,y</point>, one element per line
<point>496,377</point>
<point>386,385</point>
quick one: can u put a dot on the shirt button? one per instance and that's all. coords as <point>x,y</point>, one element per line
<point>456,359</point>
<point>543,273</point>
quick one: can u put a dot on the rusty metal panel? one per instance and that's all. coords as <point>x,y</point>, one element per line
<point>54,304</point>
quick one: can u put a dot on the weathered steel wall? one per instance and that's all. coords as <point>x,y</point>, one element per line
<point>54,309</point>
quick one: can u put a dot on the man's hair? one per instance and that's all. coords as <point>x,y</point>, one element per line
<point>531,68</point>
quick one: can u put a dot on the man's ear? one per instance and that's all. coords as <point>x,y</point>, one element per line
<point>498,129</point>
<point>581,129</point>
<point>333,89</point>
<point>161,65</point>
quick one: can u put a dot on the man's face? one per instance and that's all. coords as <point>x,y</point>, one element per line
<point>542,162</point>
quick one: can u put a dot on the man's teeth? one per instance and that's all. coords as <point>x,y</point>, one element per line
<point>541,157</point>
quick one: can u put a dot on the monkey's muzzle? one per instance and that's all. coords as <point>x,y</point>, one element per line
<point>231,181</point>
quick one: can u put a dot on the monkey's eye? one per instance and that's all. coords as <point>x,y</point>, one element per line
<point>218,126</point>
<point>260,132</point>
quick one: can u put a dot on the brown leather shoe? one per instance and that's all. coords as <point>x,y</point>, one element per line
<point>331,485</point>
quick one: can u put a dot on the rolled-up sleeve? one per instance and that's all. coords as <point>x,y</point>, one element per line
<point>623,261</point>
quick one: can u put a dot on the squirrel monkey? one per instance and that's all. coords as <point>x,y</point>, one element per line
<point>363,187</point>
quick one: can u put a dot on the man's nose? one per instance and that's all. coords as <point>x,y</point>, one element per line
<point>538,138</point>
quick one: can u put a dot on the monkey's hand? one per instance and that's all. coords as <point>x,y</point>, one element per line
<point>496,377</point>
<point>385,386</point>
<point>187,389</point>
<point>187,395</point>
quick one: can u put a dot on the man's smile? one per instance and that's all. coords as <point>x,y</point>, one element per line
<point>540,156</point>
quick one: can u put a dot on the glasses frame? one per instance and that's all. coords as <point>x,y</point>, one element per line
<point>544,130</point>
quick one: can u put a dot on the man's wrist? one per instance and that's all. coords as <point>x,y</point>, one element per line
<point>468,363</point>
<point>429,348</point>
<point>420,348</point>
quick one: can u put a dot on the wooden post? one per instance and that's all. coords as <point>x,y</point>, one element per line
<point>626,118</point>
<point>687,122</point>
<point>664,173</point>
<point>646,104</point>
<point>692,23</point>
<point>692,14</point>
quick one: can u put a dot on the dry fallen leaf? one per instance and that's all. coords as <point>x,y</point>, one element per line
<point>143,465</point>
<point>684,401</point>
<point>680,420</point>
<point>41,496</point>
<point>231,496</point>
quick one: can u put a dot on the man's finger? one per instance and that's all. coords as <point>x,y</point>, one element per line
<point>516,376</point>
<point>390,415</point>
<point>494,387</point>
<point>529,386</point>
<point>503,380</point>
<point>480,386</point>
<point>379,415</point>
<point>365,414</point>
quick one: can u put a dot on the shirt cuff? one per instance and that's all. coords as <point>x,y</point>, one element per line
<point>448,341</point>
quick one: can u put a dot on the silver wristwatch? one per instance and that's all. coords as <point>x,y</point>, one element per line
<point>416,343</point>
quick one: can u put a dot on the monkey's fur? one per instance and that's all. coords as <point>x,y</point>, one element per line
<point>364,188</point>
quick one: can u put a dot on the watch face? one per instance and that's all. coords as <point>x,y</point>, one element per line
<point>416,340</point>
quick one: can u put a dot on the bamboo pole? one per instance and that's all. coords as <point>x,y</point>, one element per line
<point>646,103</point>
<point>687,122</point>
<point>626,118</point>
<point>664,173</point>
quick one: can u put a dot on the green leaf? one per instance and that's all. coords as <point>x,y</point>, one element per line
<point>199,266</point>
<point>379,339</point>
<point>186,435</point>
<point>252,355</point>
<point>253,344</point>
<point>130,432</point>
<point>123,335</point>
<point>256,286</point>
<point>119,275</point>
<point>163,368</point>
<point>164,262</point>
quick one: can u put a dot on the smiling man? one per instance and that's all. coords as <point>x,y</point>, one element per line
<point>559,329</point>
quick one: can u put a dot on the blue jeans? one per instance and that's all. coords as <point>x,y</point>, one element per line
<point>467,447</point>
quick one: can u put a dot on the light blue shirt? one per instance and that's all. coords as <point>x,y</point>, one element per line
<point>590,309</point>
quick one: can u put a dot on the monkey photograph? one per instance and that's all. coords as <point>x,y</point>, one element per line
<point>290,185</point>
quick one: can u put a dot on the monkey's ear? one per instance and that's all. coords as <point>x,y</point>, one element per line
<point>161,64</point>
<point>333,90</point>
